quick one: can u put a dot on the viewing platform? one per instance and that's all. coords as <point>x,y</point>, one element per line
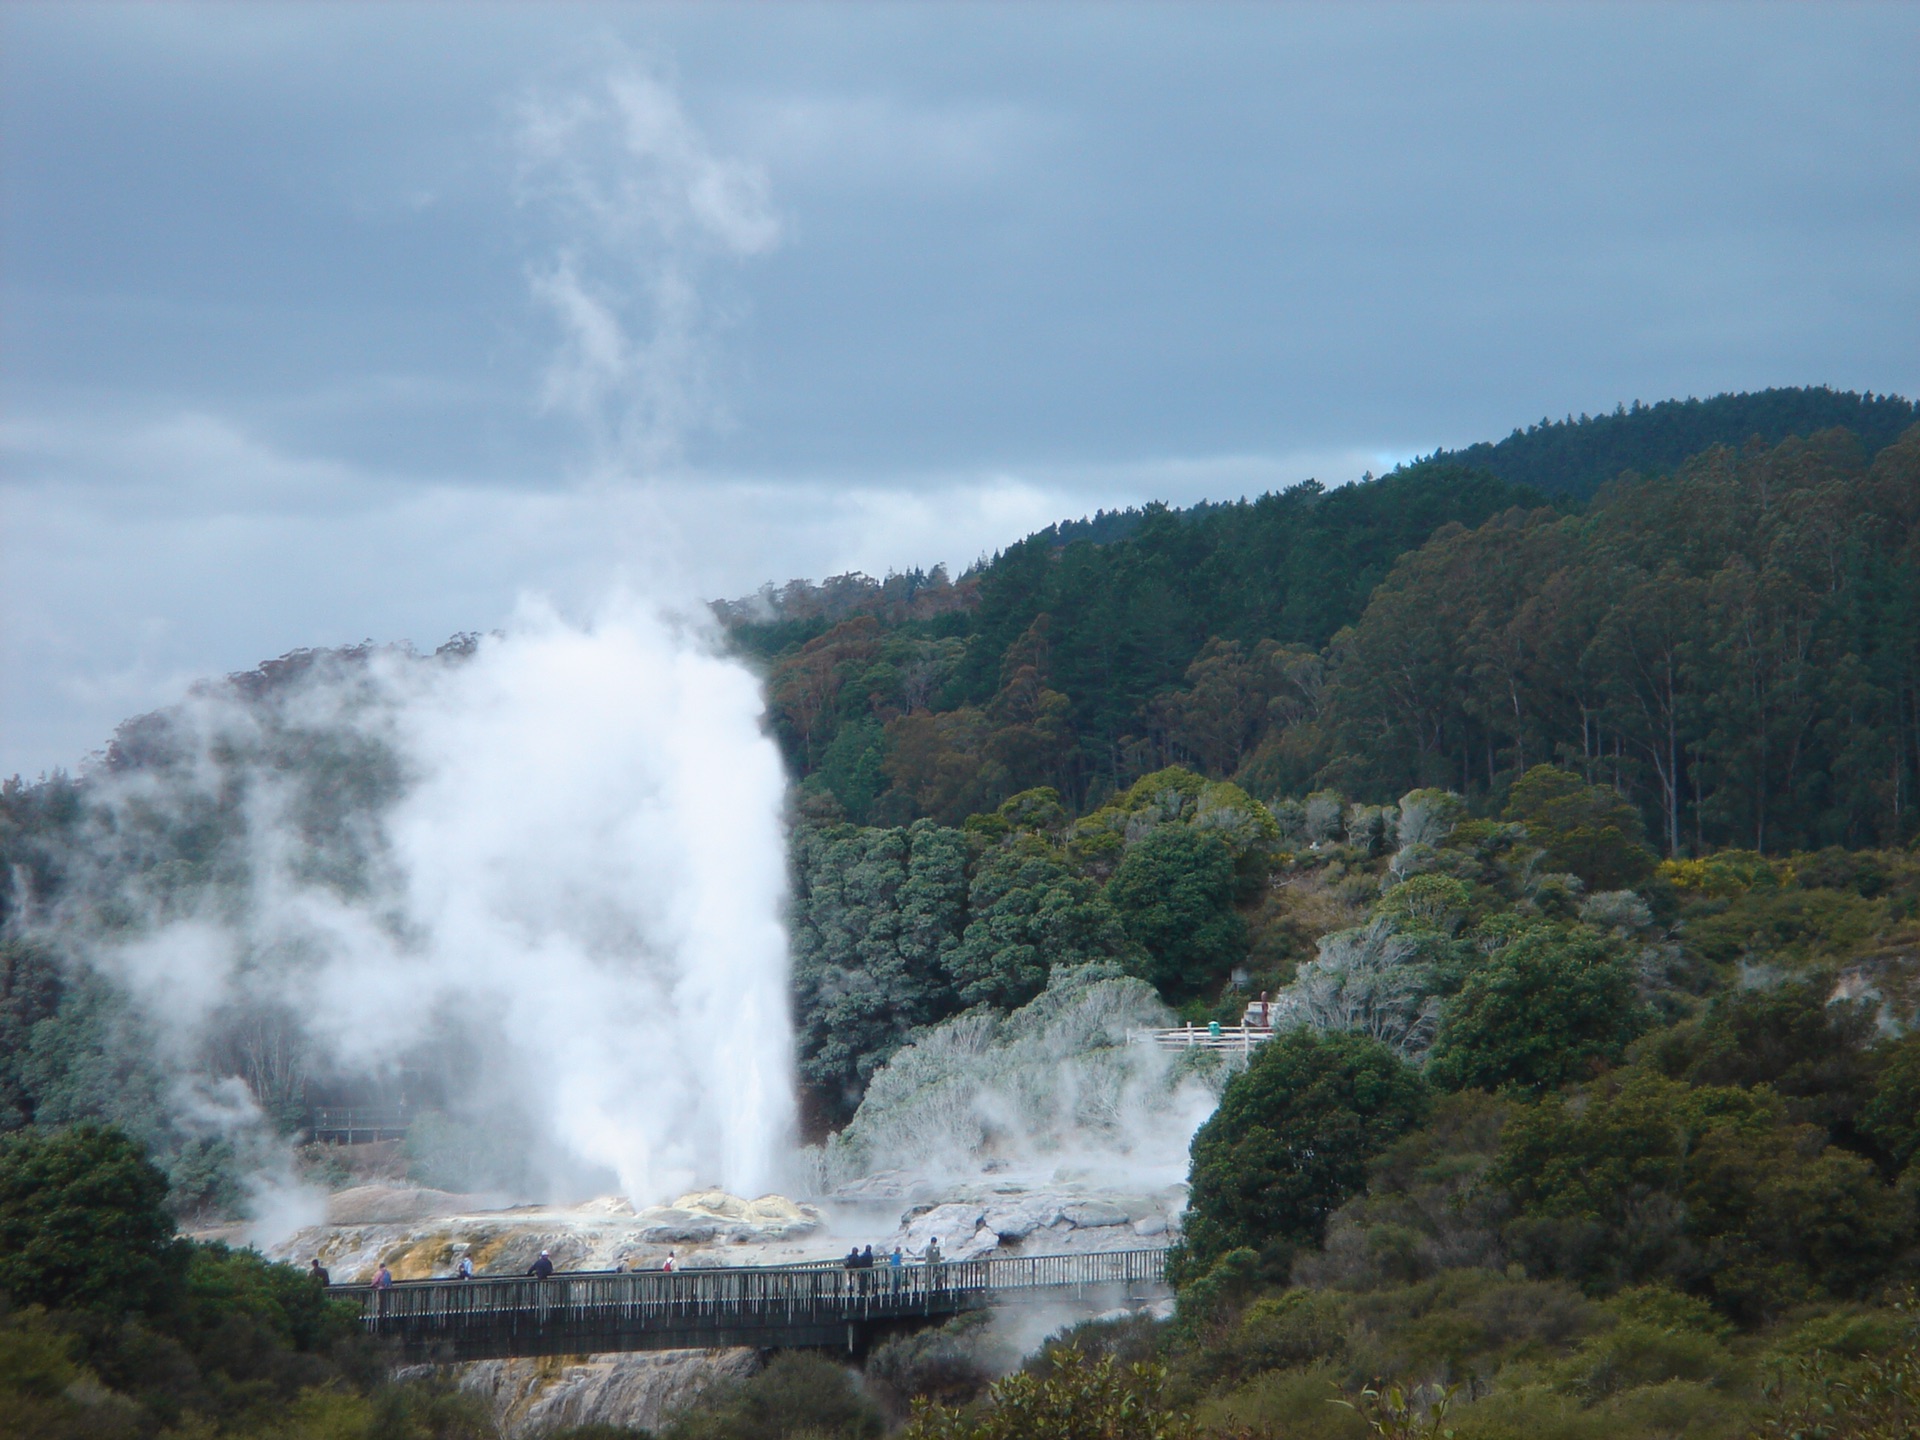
<point>357,1124</point>
<point>767,1307</point>
<point>1237,1039</point>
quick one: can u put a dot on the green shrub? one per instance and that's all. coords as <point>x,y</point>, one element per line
<point>1710,1187</point>
<point>1676,1407</point>
<point>1464,1321</point>
<point>1290,1142</point>
<point>1876,1399</point>
<point>1290,1403</point>
<point>1074,1398</point>
<point>1780,925</point>
<point>1279,1332</point>
<point>1891,1117</point>
<point>952,1365</point>
<point>1174,892</point>
<point>799,1393</point>
<point>36,1360</point>
<point>1545,1009</point>
<point>1634,1353</point>
<point>1849,1332</point>
<point>84,1223</point>
<point>1029,915</point>
<point>1592,831</point>
<point>1530,1412</point>
<point>1666,1308</point>
<point>1129,1341</point>
<point>1425,1208</point>
<point>1788,1038</point>
<point>223,1284</point>
<point>1209,1298</point>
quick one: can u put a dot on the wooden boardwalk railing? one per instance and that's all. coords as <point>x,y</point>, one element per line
<point>769,1307</point>
<point>351,1124</point>
<point>1236,1039</point>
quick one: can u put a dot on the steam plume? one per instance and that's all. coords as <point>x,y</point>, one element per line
<point>553,867</point>
<point>644,206</point>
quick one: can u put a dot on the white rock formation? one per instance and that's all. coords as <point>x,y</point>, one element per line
<point>420,1234</point>
<point>532,1397</point>
<point>1012,1218</point>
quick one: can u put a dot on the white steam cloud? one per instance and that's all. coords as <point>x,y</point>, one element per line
<point>646,207</point>
<point>1050,1092</point>
<point>553,866</point>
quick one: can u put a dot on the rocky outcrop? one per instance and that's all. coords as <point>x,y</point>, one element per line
<point>1053,1084</point>
<point>713,1216</point>
<point>397,1204</point>
<point>532,1397</point>
<point>1014,1219</point>
<point>420,1234</point>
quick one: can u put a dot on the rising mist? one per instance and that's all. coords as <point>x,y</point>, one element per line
<point>538,878</point>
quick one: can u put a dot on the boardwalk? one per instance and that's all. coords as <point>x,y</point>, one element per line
<point>1234,1039</point>
<point>769,1307</point>
<point>356,1125</point>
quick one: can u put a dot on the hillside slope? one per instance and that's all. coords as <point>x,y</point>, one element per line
<point>1434,626</point>
<point>1574,458</point>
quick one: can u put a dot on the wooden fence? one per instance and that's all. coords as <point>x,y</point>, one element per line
<point>764,1306</point>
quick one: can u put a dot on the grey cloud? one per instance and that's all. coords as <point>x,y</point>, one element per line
<point>282,295</point>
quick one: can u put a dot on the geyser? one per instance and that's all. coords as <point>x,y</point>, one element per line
<point>553,864</point>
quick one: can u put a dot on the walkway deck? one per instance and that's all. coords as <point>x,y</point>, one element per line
<point>357,1124</point>
<point>769,1307</point>
<point>1236,1039</point>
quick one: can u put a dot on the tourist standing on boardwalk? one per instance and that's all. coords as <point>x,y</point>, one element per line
<point>542,1268</point>
<point>465,1268</point>
<point>317,1273</point>
<point>382,1283</point>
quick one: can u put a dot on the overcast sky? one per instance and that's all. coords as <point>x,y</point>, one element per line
<point>320,324</point>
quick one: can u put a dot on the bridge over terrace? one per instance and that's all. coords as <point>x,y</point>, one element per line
<point>767,1307</point>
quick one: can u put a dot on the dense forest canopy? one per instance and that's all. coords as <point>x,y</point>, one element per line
<point>1576,457</point>
<point>1731,642</point>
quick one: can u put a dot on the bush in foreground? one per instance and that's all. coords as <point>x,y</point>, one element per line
<point>1290,1143</point>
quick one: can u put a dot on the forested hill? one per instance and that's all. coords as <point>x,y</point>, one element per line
<point>1045,666</point>
<point>1735,643</point>
<point>1576,457</point>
